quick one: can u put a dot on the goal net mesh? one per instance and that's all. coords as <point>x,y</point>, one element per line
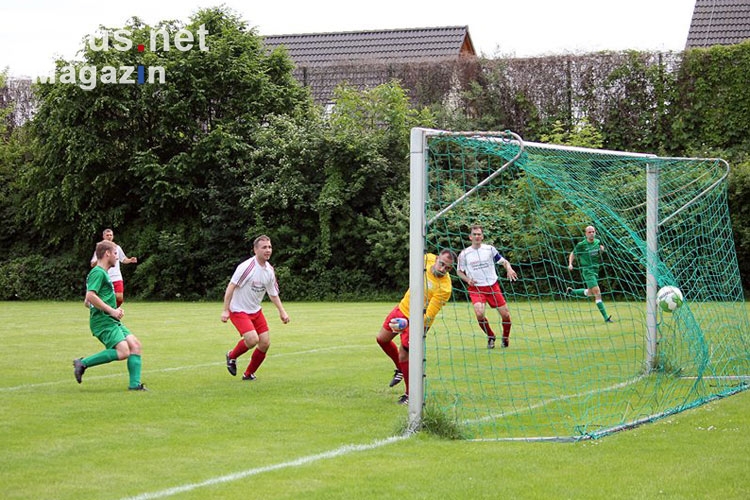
<point>567,374</point>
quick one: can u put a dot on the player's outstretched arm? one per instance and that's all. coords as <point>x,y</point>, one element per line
<point>510,272</point>
<point>282,312</point>
<point>228,293</point>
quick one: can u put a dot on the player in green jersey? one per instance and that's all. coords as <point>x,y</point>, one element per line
<point>104,321</point>
<point>589,255</point>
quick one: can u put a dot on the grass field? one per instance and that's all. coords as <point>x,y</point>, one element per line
<point>319,423</point>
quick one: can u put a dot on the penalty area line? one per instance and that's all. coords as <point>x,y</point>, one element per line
<point>338,452</point>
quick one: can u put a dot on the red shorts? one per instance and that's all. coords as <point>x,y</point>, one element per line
<point>487,295</point>
<point>245,322</point>
<point>119,286</point>
<point>396,313</point>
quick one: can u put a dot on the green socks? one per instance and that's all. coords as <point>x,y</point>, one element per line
<point>109,355</point>
<point>602,310</point>
<point>134,369</point>
<point>100,358</point>
<point>581,292</point>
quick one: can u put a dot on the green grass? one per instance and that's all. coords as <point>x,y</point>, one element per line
<point>318,422</point>
<point>570,374</point>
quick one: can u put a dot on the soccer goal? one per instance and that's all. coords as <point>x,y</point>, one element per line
<point>567,374</point>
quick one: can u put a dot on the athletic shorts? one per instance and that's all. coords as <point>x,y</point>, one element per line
<point>396,313</point>
<point>113,335</point>
<point>247,322</point>
<point>489,294</point>
<point>590,277</point>
<point>119,286</point>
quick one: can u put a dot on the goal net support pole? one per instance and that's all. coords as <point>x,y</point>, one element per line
<point>652,248</point>
<point>417,185</point>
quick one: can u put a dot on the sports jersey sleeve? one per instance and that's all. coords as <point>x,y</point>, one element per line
<point>272,287</point>
<point>94,281</point>
<point>121,254</point>
<point>438,299</point>
<point>240,274</point>
<point>497,257</point>
<point>462,261</point>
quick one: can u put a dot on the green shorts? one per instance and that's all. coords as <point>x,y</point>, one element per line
<point>590,277</point>
<point>113,335</point>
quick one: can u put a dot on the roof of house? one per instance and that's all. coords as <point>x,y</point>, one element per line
<point>719,22</point>
<point>383,46</point>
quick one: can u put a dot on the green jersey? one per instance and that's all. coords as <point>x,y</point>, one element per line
<point>588,254</point>
<point>98,282</point>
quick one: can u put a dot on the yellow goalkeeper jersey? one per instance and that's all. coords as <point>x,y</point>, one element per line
<point>437,292</point>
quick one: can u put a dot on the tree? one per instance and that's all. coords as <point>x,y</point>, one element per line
<point>336,191</point>
<point>162,161</point>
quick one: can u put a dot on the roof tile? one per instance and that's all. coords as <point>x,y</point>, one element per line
<point>719,22</point>
<point>397,46</point>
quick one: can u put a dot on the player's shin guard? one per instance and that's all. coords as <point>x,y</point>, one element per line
<point>134,370</point>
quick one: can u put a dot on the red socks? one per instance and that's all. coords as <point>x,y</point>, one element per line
<point>389,347</point>
<point>506,332</point>
<point>239,349</point>
<point>255,360</point>
<point>404,367</point>
<point>486,328</point>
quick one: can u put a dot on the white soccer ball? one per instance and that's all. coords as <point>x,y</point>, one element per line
<point>669,298</point>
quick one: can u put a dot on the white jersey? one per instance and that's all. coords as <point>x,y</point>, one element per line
<point>253,282</point>
<point>114,271</point>
<point>479,264</point>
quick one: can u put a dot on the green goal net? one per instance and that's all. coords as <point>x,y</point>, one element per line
<point>567,374</point>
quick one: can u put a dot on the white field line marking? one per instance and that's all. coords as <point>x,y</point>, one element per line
<point>338,452</point>
<point>177,368</point>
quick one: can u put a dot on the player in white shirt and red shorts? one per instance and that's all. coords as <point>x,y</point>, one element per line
<point>250,282</point>
<point>114,272</point>
<point>476,267</point>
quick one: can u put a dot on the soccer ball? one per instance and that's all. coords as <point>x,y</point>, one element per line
<point>669,298</point>
<point>398,324</point>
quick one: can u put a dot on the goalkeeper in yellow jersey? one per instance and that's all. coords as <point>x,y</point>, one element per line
<point>438,289</point>
<point>589,255</point>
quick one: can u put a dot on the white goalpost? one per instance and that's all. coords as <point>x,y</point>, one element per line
<point>567,375</point>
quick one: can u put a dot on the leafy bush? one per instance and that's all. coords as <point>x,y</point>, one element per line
<point>36,277</point>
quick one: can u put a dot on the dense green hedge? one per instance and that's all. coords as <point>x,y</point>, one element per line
<point>189,172</point>
<point>38,277</point>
